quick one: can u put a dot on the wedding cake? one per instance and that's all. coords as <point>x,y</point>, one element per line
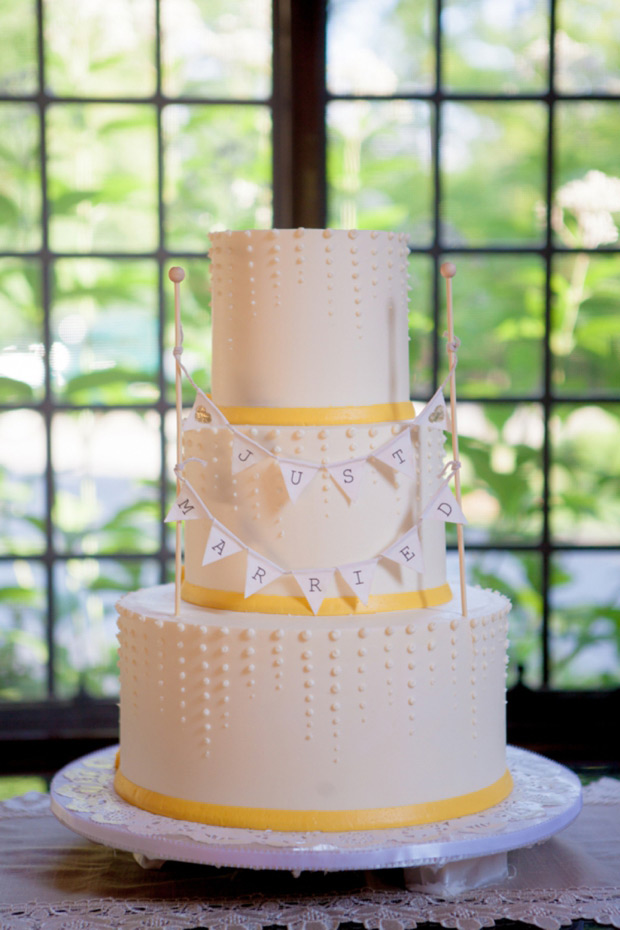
<point>320,674</point>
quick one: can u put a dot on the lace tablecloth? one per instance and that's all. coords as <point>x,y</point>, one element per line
<point>51,879</point>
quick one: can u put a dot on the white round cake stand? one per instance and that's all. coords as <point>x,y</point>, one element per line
<point>453,854</point>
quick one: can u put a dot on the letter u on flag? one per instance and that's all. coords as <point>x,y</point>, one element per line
<point>185,507</point>
<point>220,545</point>
<point>259,572</point>
<point>314,586</point>
<point>398,454</point>
<point>296,476</point>
<point>444,506</point>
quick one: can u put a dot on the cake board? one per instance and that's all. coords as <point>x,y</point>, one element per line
<point>449,856</point>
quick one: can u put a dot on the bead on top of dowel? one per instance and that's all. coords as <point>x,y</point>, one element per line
<point>176,274</point>
<point>448,270</point>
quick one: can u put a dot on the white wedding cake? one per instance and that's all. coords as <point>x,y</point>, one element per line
<point>320,674</point>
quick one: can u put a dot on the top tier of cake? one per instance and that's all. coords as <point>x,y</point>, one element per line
<point>309,318</point>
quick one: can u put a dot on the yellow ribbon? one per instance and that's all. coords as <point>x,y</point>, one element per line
<point>331,606</point>
<point>257,818</point>
<point>319,416</point>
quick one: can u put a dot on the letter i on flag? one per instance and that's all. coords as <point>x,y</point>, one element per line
<point>314,587</point>
<point>220,545</point>
<point>296,476</point>
<point>358,578</point>
<point>259,572</point>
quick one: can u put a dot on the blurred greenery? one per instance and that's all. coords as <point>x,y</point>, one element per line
<point>105,333</point>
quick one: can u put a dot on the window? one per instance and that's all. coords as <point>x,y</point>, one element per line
<point>486,130</point>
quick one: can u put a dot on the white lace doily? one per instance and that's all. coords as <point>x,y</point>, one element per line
<point>546,797</point>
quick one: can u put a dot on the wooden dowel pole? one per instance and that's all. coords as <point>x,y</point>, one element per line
<point>448,270</point>
<point>176,275</point>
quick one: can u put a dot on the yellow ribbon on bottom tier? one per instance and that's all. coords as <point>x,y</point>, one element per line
<point>331,606</point>
<point>221,815</point>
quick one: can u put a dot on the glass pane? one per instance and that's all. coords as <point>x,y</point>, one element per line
<point>23,639</point>
<point>216,48</point>
<point>585,620</point>
<point>420,328</point>
<point>100,49</point>
<point>22,361</point>
<point>104,331</point>
<point>517,575</point>
<point>585,339</point>
<point>217,171</point>
<point>18,62</point>
<point>501,478</point>
<point>20,178</point>
<point>495,47</point>
<point>493,158</point>
<point>499,318</point>
<point>587,47</point>
<point>584,474</point>
<point>379,167</point>
<point>107,468</point>
<point>22,483</point>
<point>87,591</point>
<point>102,177</point>
<point>380,48</point>
<point>196,322</point>
<point>587,196</point>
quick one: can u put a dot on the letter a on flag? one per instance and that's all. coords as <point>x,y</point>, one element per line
<point>444,506</point>
<point>358,578</point>
<point>245,453</point>
<point>407,551</point>
<point>259,572</point>
<point>185,507</point>
<point>296,476</point>
<point>314,586</point>
<point>398,454</point>
<point>349,477</point>
<point>220,545</point>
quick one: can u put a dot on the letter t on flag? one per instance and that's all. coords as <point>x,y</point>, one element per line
<point>398,454</point>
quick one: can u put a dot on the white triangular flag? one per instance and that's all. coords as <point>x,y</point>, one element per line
<point>220,545</point>
<point>349,477</point>
<point>407,551</point>
<point>358,578</point>
<point>398,454</point>
<point>204,413</point>
<point>444,506</point>
<point>185,507</point>
<point>435,412</point>
<point>259,572</point>
<point>245,453</point>
<point>296,476</point>
<point>314,586</point>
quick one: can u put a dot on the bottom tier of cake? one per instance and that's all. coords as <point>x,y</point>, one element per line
<point>324,723</point>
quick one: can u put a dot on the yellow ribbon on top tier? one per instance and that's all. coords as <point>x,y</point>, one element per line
<point>319,416</point>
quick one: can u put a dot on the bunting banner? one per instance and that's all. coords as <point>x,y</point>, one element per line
<point>314,583</point>
<point>435,413</point>
<point>296,476</point>
<point>186,507</point>
<point>245,453</point>
<point>398,454</point>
